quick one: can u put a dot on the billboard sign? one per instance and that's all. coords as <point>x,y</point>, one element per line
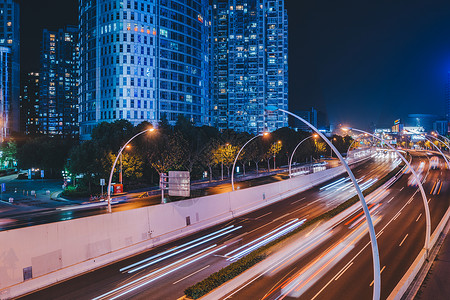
<point>179,183</point>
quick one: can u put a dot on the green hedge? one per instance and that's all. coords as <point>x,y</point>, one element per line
<point>218,278</point>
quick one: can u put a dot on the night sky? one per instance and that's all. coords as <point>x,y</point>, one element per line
<point>361,62</point>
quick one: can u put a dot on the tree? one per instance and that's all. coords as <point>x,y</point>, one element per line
<point>8,154</point>
<point>274,149</point>
<point>225,155</point>
<point>255,152</point>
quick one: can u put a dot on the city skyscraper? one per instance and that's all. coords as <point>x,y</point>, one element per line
<point>9,68</point>
<point>447,101</point>
<point>140,60</point>
<point>58,105</point>
<point>29,104</point>
<point>249,64</point>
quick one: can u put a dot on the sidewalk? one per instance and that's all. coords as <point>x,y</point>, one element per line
<point>436,285</point>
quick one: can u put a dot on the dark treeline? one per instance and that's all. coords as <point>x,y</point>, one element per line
<point>182,147</point>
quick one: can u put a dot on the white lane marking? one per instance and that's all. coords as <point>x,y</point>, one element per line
<point>429,200</point>
<point>296,201</point>
<point>379,234</point>
<point>263,216</point>
<point>402,189</point>
<point>418,217</point>
<point>403,240</point>
<point>343,271</point>
<point>191,274</point>
<point>398,214</point>
<point>380,273</point>
<point>390,200</point>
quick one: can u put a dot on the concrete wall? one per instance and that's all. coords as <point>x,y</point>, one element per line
<point>57,251</point>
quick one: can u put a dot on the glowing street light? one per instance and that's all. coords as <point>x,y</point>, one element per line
<point>115,162</point>
<point>422,191</point>
<point>240,150</point>
<point>373,239</point>
<point>295,149</point>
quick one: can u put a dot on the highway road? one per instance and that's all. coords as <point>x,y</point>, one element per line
<point>340,267</point>
<point>164,272</point>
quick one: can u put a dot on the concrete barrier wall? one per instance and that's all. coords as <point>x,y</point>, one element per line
<point>57,251</point>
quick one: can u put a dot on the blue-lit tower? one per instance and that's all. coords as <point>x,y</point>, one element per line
<point>142,59</point>
<point>58,83</point>
<point>249,64</point>
<point>9,68</point>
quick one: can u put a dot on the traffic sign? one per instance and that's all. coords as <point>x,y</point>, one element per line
<point>3,187</point>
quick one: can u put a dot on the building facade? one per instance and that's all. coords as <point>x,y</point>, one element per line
<point>308,115</point>
<point>29,104</point>
<point>141,60</point>
<point>249,64</point>
<point>9,68</point>
<point>58,105</point>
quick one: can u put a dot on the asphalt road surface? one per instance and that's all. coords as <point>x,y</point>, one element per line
<point>164,272</point>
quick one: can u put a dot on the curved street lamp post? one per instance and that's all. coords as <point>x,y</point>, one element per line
<point>373,239</point>
<point>293,152</point>
<point>115,162</point>
<point>422,191</point>
<point>431,142</point>
<point>240,150</point>
<point>446,140</point>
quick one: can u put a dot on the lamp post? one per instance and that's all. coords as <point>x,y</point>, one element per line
<point>115,162</point>
<point>295,149</point>
<point>446,140</point>
<point>422,191</point>
<point>240,150</point>
<point>425,137</point>
<point>446,144</point>
<point>373,239</point>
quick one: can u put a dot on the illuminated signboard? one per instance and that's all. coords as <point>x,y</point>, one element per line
<point>396,122</point>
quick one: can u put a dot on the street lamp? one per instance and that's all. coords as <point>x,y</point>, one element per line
<point>115,162</point>
<point>295,149</point>
<point>422,191</point>
<point>373,239</point>
<point>424,136</point>
<point>240,150</point>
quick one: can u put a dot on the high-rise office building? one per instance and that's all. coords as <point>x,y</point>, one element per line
<point>58,105</point>
<point>9,68</point>
<point>140,60</point>
<point>29,104</point>
<point>447,100</point>
<point>249,64</point>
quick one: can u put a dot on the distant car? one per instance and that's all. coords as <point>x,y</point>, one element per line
<point>434,163</point>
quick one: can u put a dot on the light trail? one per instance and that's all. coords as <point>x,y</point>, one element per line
<point>173,249</point>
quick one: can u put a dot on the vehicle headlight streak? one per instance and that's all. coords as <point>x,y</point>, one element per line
<point>159,270</point>
<point>183,250</point>
<point>266,241</point>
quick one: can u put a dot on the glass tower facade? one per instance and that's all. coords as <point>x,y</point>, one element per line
<point>9,68</point>
<point>249,64</point>
<point>29,104</point>
<point>58,105</point>
<point>142,59</point>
